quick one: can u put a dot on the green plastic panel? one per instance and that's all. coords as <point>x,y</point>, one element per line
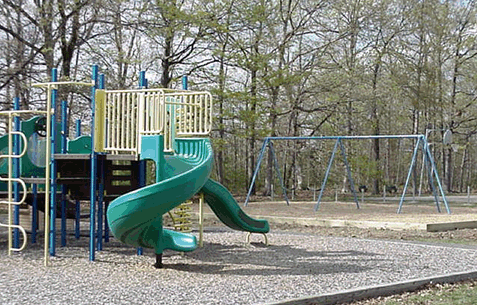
<point>80,145</point>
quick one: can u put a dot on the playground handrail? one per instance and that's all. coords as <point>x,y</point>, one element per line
<point>125,115</point>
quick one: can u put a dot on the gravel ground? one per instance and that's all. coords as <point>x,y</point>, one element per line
<point>224,271</point>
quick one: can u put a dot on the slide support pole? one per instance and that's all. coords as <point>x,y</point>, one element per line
<point>77,203</point>
<point>64,133</point>
<point>101,165</point>
<point>53,187</point>
<point>16,174</point>
<point>142,164</point>
<point>93,185</point>
<point>34,215</point>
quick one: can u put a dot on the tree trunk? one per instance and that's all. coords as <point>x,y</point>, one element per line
<point>46,20</point>
<point>253,111</point>
<point>462,169</point>
<point>375,122</point>
<point>449,171</point>
<point>166,75</point>
<point>221,101</point>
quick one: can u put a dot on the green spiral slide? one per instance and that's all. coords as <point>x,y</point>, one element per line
<point>136,217</point>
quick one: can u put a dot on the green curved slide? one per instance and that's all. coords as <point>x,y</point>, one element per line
<point>136,217</point>
<point>228,211</point>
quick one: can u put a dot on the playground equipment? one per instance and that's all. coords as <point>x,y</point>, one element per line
<point>169,127</point>
<point>420,143</point>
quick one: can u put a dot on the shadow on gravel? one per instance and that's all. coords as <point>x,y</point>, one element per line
<point>274,260</point>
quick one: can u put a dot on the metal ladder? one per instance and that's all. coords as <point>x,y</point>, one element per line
<point>10,180</point>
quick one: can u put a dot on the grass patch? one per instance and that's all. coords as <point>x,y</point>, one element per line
<point>441,294</point>
<point>456,241</point>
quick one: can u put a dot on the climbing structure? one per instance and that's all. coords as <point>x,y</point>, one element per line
<point>169,127</point>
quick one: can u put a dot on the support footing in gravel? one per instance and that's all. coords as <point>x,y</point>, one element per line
<point>158,263</point>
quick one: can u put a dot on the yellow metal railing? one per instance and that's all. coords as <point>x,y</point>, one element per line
<point>188,114</point>
<point>128,114</point>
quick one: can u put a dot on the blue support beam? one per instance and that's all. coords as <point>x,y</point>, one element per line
<point>93,183</point>
<point>53,167</point>
<point>428,153</point>
<point>327,173</point>
<point>431,182</point>
<point>408,178</point>
<point>277,170</point>
<point>16,174</point>
<point>185,84</point>
<point>77,203</point>
<point>64,141</point>
<point>142,164</point>
<point>101,165</point>
<point>34,216</point>
<point>257,169</point>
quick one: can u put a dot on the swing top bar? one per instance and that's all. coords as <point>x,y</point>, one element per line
<point>347,137</point>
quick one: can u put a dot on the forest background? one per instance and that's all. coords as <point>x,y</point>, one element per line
<point>275,68</point>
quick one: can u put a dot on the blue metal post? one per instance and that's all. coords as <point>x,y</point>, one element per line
<point>34,216</point>
<point>257,169</point>
<point>106,225</point>
<point>77,206</point>
<point>185,84</point>
<point>93,177</point>
<point>54,78</point>
<point>99,241</point>
<point>142,163</point>
<point>325,179</point>
<point>430,178</point>
<point>142,79</point>
<point>16,174</point>
<point>101,165</point>
<point>427,151</point>
<point>413,161</point>
<point>142,182</point>
<point>78,128</point>
<point>101,82</point>
<point>64,140</point>
<point>64,126</point>
<point>277,170</point>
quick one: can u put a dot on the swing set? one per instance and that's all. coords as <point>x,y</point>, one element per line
<point>421,144</point>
